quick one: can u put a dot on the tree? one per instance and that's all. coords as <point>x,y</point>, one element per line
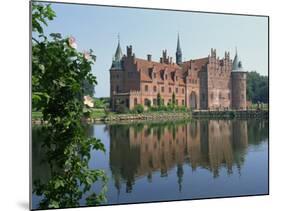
<point>257,87</point>
<point>59,72</point>
<point>173,99</point>
<point>159,99</point>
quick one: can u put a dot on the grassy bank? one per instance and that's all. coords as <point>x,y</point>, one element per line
<point>96,115</point>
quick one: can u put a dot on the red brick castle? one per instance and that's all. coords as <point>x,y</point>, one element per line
<point>204,83</point>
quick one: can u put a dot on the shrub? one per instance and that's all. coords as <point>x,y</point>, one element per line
<point>99,103</point>
<point>138,109</point>
<point>122,109</point>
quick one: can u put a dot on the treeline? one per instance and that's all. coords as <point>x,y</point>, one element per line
<point>257,87</point>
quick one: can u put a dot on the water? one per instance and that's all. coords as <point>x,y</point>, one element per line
<point>176,160</point>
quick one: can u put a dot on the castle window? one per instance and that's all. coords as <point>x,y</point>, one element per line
<point>177,102</point>
<point>146,88</point>
<point>162,89</point>
<point>177,90</point>
<point>212,95</point>
<point>170,89</point>
<point>166,77</point>
<point>146,102</point>
<point>182,90</point>
<point>135,101</point>
<point>182,102</point>
<point>154,75</point>
<point>155,89</point>
<point>176,78</point>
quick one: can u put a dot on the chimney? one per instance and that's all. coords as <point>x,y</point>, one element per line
<point>129,50</point>
<point>149,57</point>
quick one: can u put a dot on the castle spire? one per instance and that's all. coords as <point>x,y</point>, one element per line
<point>237,64</point>
<point>178,52</point>
<point>116,63</point>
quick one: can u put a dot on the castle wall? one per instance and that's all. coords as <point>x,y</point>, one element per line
<point>193,86</point>
<point>219,83</point>
<point>205,83</point>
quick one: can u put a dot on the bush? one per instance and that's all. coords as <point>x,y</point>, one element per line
<point>122,109</point>
<point>138,109</point>
<point>99,103</point>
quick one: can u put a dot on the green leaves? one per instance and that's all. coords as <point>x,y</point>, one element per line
<point>58,183</point>
<point>257,87</point>
<point>59,75</point>
<point>41,13</point>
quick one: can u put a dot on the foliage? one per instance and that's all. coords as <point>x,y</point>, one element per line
<point>59,72</point>
<point>99,103</point>
<point>148,102</point>
<point>159,100</point>
<point>138,109</point>
<point>257,87</point>
<point>173,99</point>
<point>121,109</point>
<point>88,88</point>
<point>169,108</point>
<point>40,14</point>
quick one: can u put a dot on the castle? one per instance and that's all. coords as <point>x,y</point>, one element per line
<point>204,83</point>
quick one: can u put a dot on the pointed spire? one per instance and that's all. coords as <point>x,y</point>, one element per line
<point>178,52</point>
<point>178,44</point>
<point>116,63</point>
<point>118,53</point>
<point>237,64</point>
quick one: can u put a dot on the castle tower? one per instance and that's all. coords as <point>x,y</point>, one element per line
<point>178,52</point>
<point>238,77</point>
<point>116,74</point>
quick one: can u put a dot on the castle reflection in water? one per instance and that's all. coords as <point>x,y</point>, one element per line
<point>138,150</point>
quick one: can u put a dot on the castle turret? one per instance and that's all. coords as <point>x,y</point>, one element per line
<point>116,62</point>
<point>238,77</point>
<point>178,52</point>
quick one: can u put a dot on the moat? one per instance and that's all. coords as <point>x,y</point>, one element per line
<point>173,160</point>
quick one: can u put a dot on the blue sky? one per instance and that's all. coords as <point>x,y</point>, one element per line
<point>151,31</point>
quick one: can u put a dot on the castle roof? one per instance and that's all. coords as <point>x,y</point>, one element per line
<point>148,68</point>
<point>116,62</point>
<point>199,63</point>
<point>118,53</point>
<point>178,45</point>
<point>237,64</point>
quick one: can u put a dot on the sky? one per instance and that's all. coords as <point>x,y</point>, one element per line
<point>151,31</point>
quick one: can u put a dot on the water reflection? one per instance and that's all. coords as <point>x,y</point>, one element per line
<point>140,149</point>
<point>172,160</point>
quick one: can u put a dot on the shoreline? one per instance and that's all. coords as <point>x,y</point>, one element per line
<point>174,116</point>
